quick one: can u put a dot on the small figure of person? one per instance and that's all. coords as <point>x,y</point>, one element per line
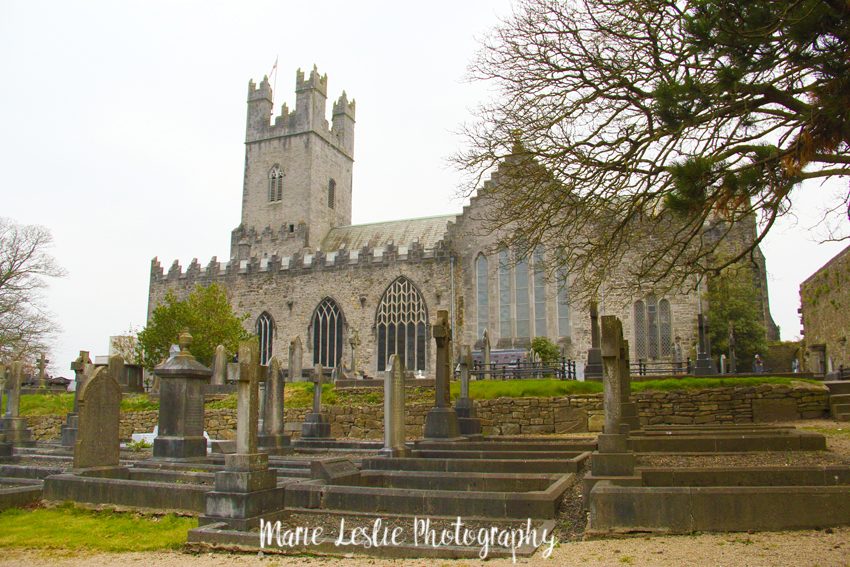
<point>758,365</point>
<point>795,366</point>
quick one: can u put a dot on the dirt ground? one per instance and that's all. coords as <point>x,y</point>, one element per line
<point>825,547</point>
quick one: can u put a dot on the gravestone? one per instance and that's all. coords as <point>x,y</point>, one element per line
<point>441,421</point>
<point>486,348</point>
<point>613,460</point>
<point>354,341</point>
<point>296,355</point>
<point>181,405</point>
<point>246,490</point>
<point>593,368</point>
<point>316,424</point>
<point>219,375</point>
<point>272,437</point>
<point>42,374</point>
<point>704,365</point>
<point>467,421</point>
<point>14,426</point>
<point>394,422</point>
<point>98,442</point>
<point>81,367</point>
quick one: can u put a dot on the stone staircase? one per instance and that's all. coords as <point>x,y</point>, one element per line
<point>839,399</point>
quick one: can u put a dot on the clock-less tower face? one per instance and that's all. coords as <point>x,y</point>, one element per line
<point>298,169</point>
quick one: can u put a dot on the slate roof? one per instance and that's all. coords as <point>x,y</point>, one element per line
<point>427,231</point>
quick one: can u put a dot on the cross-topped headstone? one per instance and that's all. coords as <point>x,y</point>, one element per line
<point>272,436</point>
<point>468,423</point>
<point>247,394</point>
<point>14,426</point>
<point>42,376</point>
<point>441,421</point>
<point>316,424</point>
<point>81,366</point>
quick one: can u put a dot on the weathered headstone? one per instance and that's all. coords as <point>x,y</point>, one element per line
<point>613,460</point>
<point>219,375</point>
<point>296,356</point>
<point>704,364</point>
<point>82,368</point>
<point>441,421</point>
<point>98,443</point>
<point>354,341</point>
<point>394,422</point>
<point>246,489</point>
<point>486,348</point>
<point>272,436</point>
<point>181,405</point>
<point>14,426</point>
<point>42,374</point>
<point>467,421</point>
<point>316,424</point>
<point>593,368</point>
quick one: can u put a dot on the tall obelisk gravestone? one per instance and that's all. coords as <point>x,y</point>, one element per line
<point>441,421</point>
<point>394,421</point>
<point>593,368</point>
<point>14,426</point>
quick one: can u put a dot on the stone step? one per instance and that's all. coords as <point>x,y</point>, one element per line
<point>837,387</point>
<point>838,409</point>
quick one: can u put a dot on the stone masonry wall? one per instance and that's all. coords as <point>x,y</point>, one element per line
<point>825,300</point>
<point>513,416</point>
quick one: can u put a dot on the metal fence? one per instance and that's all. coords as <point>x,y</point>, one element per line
<point>565,369</point>
<point>660,368</point>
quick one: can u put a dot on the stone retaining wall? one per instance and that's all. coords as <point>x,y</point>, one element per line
<point>512,416</point>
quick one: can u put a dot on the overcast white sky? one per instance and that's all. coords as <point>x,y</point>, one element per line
<point>122,128</point>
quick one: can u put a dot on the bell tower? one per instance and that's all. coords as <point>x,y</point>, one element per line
<point>298,170</point>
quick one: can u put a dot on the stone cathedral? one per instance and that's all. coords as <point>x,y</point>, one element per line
<point>298,266</point>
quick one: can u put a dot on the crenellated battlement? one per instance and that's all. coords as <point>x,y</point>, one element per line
<point>308,116</point>
<point>300,262</point>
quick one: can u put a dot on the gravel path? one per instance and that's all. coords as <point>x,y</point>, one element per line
<point>801,549</point>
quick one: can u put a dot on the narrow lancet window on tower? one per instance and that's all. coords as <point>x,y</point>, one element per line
<point>332,194</point>
<point>265,333</point>
<point>275,184</point>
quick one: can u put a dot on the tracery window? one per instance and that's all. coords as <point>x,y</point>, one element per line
<point>265,333</point>
<point>401,325</point>
<point>482,293</point>
<point>332,193</point>
<point>275,184</point>
<point>653,328</point>
<point>326,332</point>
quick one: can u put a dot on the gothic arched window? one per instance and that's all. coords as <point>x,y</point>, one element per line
<point>265,333</point>
<point>326,331</point>
<point>332,193</point>
<point>653,328</point>
<point>482,293</point>
<point>521,295</point>
<point>401,322</point>
<point>563,305</point>
<point>539,294</point>
<point>275,184</point>
<point>505,330</point>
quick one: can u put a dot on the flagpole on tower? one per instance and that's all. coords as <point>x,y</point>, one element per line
<point>274,72</point>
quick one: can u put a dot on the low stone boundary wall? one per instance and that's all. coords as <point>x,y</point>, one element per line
<point>512,416</point>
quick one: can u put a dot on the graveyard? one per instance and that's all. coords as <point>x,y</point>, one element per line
<point>449,471</point>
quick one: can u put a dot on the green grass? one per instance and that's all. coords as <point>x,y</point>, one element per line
<point>490,389</point>
<point>704,383</point>
<point>138,402</point>
<point>70,528</point>
<point>60,404</point>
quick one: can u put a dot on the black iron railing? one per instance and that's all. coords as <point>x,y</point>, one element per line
<point>565,369</point>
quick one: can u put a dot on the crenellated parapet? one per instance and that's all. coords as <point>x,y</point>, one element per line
<point>299,263</point>
<point>308,116</point>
